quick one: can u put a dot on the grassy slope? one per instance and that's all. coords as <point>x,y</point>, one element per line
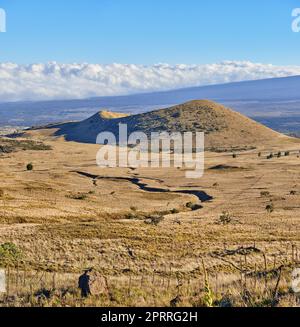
<point>224,128</point>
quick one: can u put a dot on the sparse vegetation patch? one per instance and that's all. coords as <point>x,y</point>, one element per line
<point>9,254</point>
<point>10,145</point>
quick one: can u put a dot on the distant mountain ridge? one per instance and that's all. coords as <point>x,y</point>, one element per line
<point>278,98</point>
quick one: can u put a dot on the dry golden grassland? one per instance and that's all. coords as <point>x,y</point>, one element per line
<point>149,248</point>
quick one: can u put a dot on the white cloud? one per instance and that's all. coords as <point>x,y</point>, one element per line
<point>68,81</point>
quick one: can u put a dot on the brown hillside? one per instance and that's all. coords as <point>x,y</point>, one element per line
<point>224,128</point>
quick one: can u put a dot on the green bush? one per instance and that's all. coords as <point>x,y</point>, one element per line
<point>29,167</point>
<point>9,253</point>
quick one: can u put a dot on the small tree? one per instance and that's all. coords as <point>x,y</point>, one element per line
<point>29,167</point>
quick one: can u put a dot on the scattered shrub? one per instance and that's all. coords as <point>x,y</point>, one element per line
<point>270,156</point>
<point>270,208</point>
<point>190,205</point>
<point>194,206</point>
<point>176,302</point>
<point>265,193</point>
<point>11,145</point>
<point>131,216</point>
<point>226,301</point>
<point>43,294</point>
<point>154,220</point>
<point>225,218</point>
<point>79,196</point>
<point>5,149</point>
<point>29,167</point>
<point>9,253</point>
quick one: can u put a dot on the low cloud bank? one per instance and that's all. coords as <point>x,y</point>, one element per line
<point>72,81</point>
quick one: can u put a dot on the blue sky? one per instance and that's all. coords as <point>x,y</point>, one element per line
<point>57,49</point>
<point>149,31</point>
